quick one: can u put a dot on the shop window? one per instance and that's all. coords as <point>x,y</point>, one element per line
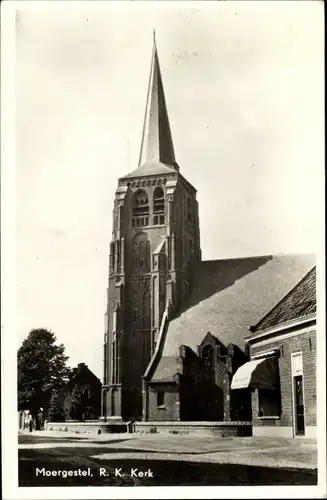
<point>269,403</point>
<point>160,398</point>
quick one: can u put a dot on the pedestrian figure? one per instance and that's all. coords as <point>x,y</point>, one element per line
<point>40,419</point>
<point>30,423</point>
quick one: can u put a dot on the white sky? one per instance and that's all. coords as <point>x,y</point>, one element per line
<point>244,91</point>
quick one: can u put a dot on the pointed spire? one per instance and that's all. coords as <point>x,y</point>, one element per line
<point>157,145</point>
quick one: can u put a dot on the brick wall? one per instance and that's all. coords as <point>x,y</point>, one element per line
<point>305,342</point>
<point>170,408</point>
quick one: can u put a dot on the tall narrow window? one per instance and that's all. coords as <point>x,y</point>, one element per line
<point>160,398</point>
<point>158,206</point>
<point>207,356</point>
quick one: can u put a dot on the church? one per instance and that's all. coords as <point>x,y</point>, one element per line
<point>175,325</point>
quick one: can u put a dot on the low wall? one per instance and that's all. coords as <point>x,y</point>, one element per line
<point>222,429</point>
<point>283,432</point>
<point>88,427</point>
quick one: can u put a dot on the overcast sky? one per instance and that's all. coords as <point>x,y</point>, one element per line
<point>244,91</point>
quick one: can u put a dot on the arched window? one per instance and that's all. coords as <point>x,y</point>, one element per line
<point>140,209</point>
<point>148,255</point>
<point>158,206</point>
<point>142,251</point>
<point>207,356</point>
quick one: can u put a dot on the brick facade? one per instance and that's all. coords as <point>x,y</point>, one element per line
<point>201,387</point>
<point>301,341</point>
<point>169,409</point>
<point>89,384</point>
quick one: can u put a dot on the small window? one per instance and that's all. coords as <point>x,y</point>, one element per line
<point>134,314</point>
<point>160,398</point>
<point>269,403</point>
<point>208,356</point>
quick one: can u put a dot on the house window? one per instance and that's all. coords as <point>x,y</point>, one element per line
<point>160,398</point>
<point>269,403</point>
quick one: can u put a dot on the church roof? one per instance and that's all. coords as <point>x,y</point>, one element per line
<point>150,168</point>
<point>227,296</point>
<point>299,303</point>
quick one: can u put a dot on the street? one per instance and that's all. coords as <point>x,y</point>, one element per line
<point>54,459</point>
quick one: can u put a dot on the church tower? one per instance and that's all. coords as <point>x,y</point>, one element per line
<point>155,242</point>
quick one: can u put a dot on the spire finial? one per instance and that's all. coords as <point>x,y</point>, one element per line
<point>154,36</point>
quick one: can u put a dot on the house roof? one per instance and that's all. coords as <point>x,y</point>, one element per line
<point>227,296</point>
<point>297,304</point>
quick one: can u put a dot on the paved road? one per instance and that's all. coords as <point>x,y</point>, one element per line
<point>172,461</point>
<point>285,453</point>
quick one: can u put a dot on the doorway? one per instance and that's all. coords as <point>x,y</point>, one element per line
<point>298,406</point>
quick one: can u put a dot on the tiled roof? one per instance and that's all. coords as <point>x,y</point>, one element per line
<point>166,369</point>
<point>298,303</point>
<point>150,168</point>
<point>228,296</point>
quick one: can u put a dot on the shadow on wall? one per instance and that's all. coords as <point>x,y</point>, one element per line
<point>213,276</point>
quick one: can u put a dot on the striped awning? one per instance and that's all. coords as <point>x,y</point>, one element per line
<point>257,374</point>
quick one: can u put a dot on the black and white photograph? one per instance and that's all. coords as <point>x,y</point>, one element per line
<point>163,249</point>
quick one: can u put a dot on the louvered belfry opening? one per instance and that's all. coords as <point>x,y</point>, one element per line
<point>158,206</point>
<point>140,209</point>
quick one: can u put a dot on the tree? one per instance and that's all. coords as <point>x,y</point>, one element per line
<point>55,413</point>
<point>41,368</point>
<point>74,405</point>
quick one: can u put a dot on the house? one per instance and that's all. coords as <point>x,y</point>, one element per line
<point>281,372</point>
<point>90,387</point>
